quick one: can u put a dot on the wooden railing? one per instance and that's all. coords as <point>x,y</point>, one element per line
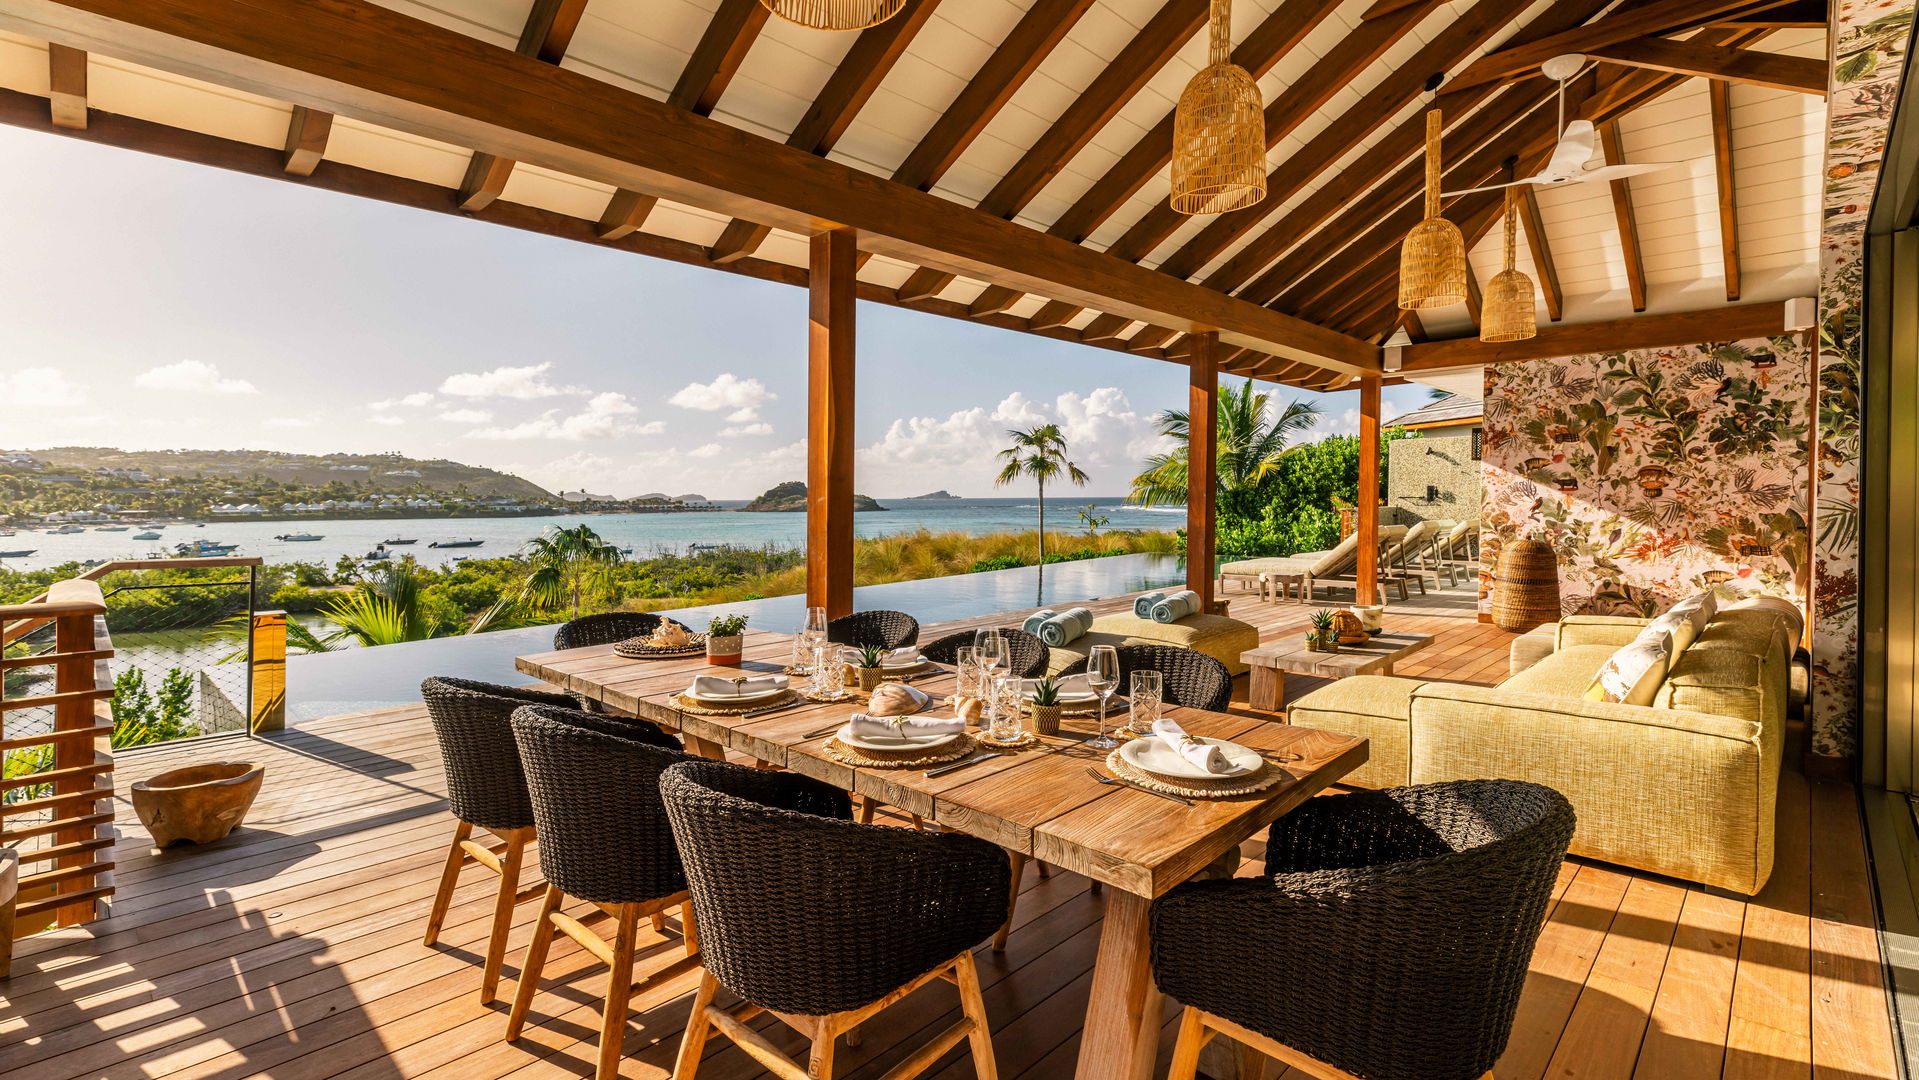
<point>63,870</point>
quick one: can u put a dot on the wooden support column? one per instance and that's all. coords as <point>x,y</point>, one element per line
<point>829,423</point>
<point>1366,591</point>
<point>1202,463</point>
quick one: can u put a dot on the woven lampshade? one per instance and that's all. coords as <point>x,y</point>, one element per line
<point>1219,131</point>
<point>1432,261</point>
<point>1507,314</point>
<point>835,14</point>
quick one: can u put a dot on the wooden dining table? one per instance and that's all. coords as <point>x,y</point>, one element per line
<point>1039,802</point>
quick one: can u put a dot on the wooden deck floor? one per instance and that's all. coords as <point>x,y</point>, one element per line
<point>292,949</point>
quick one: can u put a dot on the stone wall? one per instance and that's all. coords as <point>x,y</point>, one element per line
<point>1445,463</point>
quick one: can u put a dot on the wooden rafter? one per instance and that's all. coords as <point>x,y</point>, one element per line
<point>1545,273</point>
<point>1105,328</point>
<point>1633,21</point>
<point>1726,181</point>
<point>847,91</point>
<point>547,34</point>
<point>307,135</point>
<point>1720,63</point>
<point>1798,14</point>
<point>67,86</point>
<point>1574,339</point>
<point>1148,338</point>
<point>1054,313</point>
<point>1623,216</point>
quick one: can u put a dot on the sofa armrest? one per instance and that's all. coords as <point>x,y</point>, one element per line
<point>1614,630</point>
<point>1531,647</point>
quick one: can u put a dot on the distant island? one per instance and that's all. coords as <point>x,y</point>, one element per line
<point>940,494</point>
<point>790,497</point>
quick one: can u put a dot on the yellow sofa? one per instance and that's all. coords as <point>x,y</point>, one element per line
<point>1218,636</point>
<point>1684,786</point>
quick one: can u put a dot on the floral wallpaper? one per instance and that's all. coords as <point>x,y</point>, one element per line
<point>1655,473</point>
<point>1869,43</point>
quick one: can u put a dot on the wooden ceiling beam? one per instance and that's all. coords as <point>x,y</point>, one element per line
<point>1578,339</point>
<point>625,214</point>
<point>1799,14</point>
<point>1623,216</point>
<point>67,87</point>
<point>1467,129</point>
<point>1545,273</point>
<point>1717,62</point>
<point>1054,313</point>
<point>1150,337</point>
<point>307,135</point>
<point>846,92</point>
<point>1726,181</point>
<point>1475,300</point>
<point>924,284</point>
<point>1105,328</point>
<point>545,37</point>
<point>1634,21</point>
<point>993,300</point>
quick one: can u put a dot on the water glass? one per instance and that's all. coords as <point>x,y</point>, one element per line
<point>829,675</point>
<point>1102,678</point>
<point>966,663</point>
<point>802,659</point>
<point>1003,715</point>
<point>815,625</point>
<point>1144,700</point>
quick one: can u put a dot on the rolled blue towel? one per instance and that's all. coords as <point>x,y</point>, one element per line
<point>1176,606</point>
<point>1033,621</point>
<point>1061,629</point>
<point>1144,603</point>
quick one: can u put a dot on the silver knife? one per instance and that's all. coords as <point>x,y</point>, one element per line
<point>975,759</point>
<point>773,709</point>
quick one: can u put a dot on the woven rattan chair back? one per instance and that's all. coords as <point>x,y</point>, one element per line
<point>485,785</point>
<point>1192,679</point>
<point>1411,912</point>
<point>801,910</point>
<point>595,784</point>
<point>1027,655</point>
<point>604,629</point>
<point>878,629</point>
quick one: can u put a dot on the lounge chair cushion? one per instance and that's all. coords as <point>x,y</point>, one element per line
<point>1376,708</point>
<point>1217,636</point>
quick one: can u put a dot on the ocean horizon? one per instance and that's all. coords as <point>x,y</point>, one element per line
<point>647,534</point>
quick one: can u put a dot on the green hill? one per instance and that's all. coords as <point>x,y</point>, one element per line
<point>379,472</point>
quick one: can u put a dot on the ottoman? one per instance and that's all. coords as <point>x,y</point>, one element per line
<point>1378,708</point>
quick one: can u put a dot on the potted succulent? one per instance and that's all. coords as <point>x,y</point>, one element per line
<point>723,637</point>
<point>867,669</point>
<point>1046,707</point>
<point>1322,637</point>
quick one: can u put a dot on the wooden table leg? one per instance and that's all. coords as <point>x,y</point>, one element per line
<point>705,748</point>
<point>1121,1037</point>
<point>1267,689</point>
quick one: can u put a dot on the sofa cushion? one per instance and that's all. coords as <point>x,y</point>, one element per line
<point>1219,636</point>
<point>1681,628</point>
<point>1530,648</point>
<point>1565,674</point>
<point>1065,656</point>
<point>1633,675</point>
<point>1737,668</point>
<point>1373,707</point>
<point>1779,605</point>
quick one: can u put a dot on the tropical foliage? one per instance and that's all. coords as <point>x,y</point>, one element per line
<point>1038,453</point>
<point>567,564</point>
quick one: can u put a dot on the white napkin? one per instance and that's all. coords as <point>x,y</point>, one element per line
<point>882,727</point>
<point>1205,755</point>
<point>720,686</point>
<point>906,657</point>
<point>1070,686</point>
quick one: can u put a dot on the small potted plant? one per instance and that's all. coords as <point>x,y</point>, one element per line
<point>1046,707</point>
<point>1322,637</point>
<point>867,670</point>
<point>723,637</point>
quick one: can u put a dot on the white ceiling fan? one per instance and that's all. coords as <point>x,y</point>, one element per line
<point>1572,159</point>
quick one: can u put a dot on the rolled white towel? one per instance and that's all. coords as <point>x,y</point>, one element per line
<point>883,727</point>
<point>720,686</point>
<point>1205,755</point>
<point>1144,603</point>
<point>1063,628</point>
<point>1036,619</point>
<point>1176,606</point>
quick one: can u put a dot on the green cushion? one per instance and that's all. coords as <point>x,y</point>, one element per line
<point>1218,636</point>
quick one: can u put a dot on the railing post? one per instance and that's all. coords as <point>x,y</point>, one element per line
<point>267,671</point>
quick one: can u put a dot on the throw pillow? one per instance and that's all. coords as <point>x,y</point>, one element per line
<point>1633,675</point>
<point>1679,626</point>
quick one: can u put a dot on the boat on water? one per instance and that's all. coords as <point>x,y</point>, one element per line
<point>111,528</point>
<point>21,554</point>
<point>468,542</point>
<point>299,538</point>
<point>148,535</point>
<point>378,553</point>
<point>398,543</point>
<point>65,530</point>
<point>201,549</point>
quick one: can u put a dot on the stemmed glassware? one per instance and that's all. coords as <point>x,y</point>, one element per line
<point>1143,701</point>
<point>807,641</point>
<point>989,646</point>
<point>1102,678</point>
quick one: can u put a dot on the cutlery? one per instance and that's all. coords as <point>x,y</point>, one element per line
<point>823,731</point>
<point>1095,774</point>
<point>976,758</point>
<point>773,709</point>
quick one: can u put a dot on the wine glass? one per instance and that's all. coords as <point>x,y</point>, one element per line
<point>989,646</point>
<point>1102,678</point>
<point>814,628</point>
<point>1144,701</point>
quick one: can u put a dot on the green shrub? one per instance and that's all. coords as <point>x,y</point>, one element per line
<point>997,562</point>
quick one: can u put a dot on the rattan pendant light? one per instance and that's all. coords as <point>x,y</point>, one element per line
<point>835,14</point>
<point>1432,261</point>
<point>1219,131</point>
<point>1507,314</point>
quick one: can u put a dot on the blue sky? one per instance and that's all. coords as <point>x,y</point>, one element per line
<point>150,303</point>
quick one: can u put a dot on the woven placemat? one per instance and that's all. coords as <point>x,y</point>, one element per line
<point>1027,739</point>
<point>1114,708</point>
<point>1260,779</point>
<point>908,759</point>
<point>919,670</point>
<point>638,649</point>
<point>705,708</point>
<point>840,698</point>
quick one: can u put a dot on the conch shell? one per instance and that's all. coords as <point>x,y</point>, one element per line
<point>891,699</point>
<point>670,635</point>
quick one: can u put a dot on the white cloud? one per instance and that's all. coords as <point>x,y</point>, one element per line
<point>748,429</point>
<point>287,422</point>
<point>709,450</point>
<point>606,416</point>
<point>196,376</point>
<point>387,420</point>
<point>727,391</point>
<point>414,400</point>
<point>39,387</point>
<point>506,382</point>
<point>466,416</point>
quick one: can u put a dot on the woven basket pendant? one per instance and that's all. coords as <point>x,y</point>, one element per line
<point>1432,261</point>
<point>835,14</point>
<point>1507,314</point>
<point>1219,131</point>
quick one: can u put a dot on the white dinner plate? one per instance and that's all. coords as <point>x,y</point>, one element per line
<point>1072,697</point>
<point>890,665</point>
<point>894,743</point>
<point>1151,754</point>
<point>733,699</point>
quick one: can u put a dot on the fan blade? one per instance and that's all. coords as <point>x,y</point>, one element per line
<point>1620,172</point>
<point>1574,150</point>
<point>1495,187</point>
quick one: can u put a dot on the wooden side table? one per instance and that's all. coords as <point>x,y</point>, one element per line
<point>1283,586</point>
<point>1271,663</point>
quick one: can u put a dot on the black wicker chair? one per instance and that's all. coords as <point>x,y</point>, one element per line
<point>485,789</point>
<point>877,629</point>
<point>820,920</point>
<point>1192,679</point>
<point>604,838</point>
<point>604,629</point>
<point>1410,912</point>
<point>1027,654</point>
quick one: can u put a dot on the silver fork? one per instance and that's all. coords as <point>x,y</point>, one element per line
<point>1097,775</point>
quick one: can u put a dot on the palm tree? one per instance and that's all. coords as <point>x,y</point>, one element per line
<point>1038,452</point>
<point>1252,439</point>
<point>565,563</point>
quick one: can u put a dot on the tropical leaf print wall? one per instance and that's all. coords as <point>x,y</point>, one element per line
<point>1655,473</point>
<point>1869,43</point>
